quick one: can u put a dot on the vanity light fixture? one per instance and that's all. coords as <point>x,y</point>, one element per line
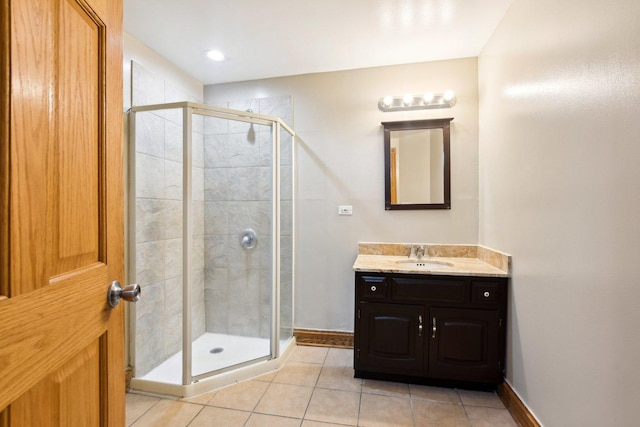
<point>417,102</point>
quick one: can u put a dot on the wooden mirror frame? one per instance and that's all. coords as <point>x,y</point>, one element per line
<point>389,127</point>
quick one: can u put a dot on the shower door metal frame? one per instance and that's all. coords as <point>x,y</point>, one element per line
<point>187,240</point>
<point>188,109</point>
<point>275,244</point>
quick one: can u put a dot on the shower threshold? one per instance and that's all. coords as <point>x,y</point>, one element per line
<point>165,379</point>
<point>235,350</point>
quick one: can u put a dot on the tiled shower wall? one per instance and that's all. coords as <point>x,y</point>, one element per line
<point>238,196</point>
<point>159,222</point>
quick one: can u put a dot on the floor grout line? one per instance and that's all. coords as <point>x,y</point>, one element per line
<point>384,390</point>
<point>145,412</point>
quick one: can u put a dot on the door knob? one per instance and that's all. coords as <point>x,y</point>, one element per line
<point>130,293</point>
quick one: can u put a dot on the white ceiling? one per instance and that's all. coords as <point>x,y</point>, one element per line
<point>286,37</point>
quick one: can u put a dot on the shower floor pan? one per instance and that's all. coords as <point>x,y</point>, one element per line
<point>228,350</point>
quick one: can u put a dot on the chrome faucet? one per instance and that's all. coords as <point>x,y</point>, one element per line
<point>418,251</point>
<point>413,252</point>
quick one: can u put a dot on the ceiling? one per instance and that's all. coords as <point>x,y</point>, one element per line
<point>274,38</point>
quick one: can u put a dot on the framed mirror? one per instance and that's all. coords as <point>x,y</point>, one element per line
<point>417,164</point>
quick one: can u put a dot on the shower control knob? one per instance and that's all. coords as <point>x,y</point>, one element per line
<point>130,293</point>
<point>248,239</point>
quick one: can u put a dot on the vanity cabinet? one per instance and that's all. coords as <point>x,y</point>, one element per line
<point>430,329</point>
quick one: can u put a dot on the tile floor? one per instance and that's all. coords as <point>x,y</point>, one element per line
<point>316,388</point>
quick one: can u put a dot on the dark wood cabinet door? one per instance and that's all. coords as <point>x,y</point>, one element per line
<point>464,344</point>
<point>391,338</point>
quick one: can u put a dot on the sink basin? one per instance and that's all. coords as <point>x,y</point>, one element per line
<point>424,264</point>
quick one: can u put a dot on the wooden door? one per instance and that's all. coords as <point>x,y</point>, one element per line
<point>61,213</point>
<point>465,345</point>
<point>390,338</point>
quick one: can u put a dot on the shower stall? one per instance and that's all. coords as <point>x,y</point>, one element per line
<point>211,221</point>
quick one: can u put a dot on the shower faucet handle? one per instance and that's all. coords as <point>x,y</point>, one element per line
<point>248,239</point>
<point>130,293</point>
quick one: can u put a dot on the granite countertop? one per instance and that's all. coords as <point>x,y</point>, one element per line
<point>454,260</point>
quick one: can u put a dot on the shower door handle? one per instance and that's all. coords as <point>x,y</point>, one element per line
<point>130,293</point>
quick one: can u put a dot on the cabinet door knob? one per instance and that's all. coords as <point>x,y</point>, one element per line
<point>420,325</point>
<point>433,329</point>
<point>486,294</point>
<point>373,288</point>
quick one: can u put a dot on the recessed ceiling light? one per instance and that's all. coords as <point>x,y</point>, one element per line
<point>215,55</point>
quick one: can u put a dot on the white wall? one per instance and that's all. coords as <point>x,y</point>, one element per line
<point>340,162</point>
<point>162,69</point>
<point>559,174</point>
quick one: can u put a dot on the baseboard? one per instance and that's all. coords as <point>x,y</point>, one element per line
<point>128,374</point>
<point>323,338</point>
<point>519,412</point>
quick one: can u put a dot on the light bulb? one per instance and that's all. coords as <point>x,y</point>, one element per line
<point>387,100</point>
<point>215,55</point>
<point>448,95</point>
<point>428,97</point>
<point>407,99</point>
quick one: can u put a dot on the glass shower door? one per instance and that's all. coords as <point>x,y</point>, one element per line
<point>156,245</point>
<point>236,192</point>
